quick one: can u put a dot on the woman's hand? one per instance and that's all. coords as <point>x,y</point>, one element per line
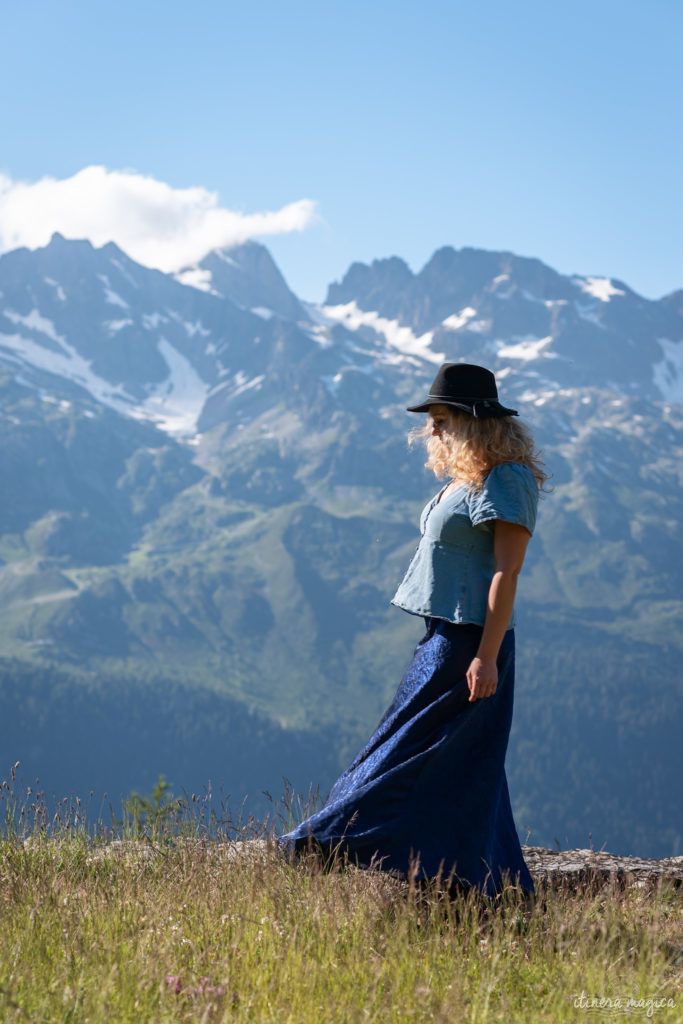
<point>482,677</point>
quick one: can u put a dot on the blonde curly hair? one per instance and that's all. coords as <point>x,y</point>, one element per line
<point>469,447</point>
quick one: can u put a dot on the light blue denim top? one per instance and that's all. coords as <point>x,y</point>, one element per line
<point>450,574</point>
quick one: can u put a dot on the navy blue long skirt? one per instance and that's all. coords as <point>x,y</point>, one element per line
<point>428,792</point>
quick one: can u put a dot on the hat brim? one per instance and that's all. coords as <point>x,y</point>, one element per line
<point>492,409</point>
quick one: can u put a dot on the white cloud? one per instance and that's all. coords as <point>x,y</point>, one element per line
<point>157,225</point>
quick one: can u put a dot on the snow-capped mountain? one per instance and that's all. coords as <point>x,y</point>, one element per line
<point>544,330</point>
<point>180,356</point>
<point>208,491</point>
<point>127,337</point>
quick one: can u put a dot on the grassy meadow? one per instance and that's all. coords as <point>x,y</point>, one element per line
<point>178,915</point>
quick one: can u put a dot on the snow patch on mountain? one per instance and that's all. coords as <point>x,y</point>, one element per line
<point>526,348</point>
<point>222,255</point>
<point>68,364</point>
<point>113,326</point>
<point>599,287</point>
<point>151,321</point>
<point>457,320</point>
<point>245,384</point>
<point>124,273</point>
<point>667,375</point>
<point>175,404</point>
<point>548,303</point>
<point>587,312</point>
<point>332,382</point>
<point>196,328</point>
<point>111,296</point>
<point>479,326</point>
<point>538,397</point>
<point>35,322</point>
<point>58,288</point>
<point>319,334</point>
<point>318,330</point>
<point>239,383</point>
<point>394,333</point>
<point>196,277</point>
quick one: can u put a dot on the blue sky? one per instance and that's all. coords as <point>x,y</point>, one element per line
<point>549,130</point>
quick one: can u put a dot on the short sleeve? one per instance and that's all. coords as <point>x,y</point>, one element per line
<point>509,492</point>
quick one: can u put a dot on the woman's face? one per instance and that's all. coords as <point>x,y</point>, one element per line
<point>439,416</point>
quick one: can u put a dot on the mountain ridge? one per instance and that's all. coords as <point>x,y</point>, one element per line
<point>215,499</point>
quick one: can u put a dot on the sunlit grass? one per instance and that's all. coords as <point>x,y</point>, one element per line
<point>187,918</point>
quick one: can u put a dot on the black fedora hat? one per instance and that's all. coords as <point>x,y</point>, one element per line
<point>468,387</point>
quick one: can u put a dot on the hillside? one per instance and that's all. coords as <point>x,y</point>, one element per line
<point>210,502</point>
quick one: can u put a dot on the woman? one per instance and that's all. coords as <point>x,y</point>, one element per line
<point>428,794</point>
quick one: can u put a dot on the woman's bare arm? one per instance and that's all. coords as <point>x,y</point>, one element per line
<point>509,546</point>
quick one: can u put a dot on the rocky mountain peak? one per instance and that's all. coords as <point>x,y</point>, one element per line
<point>368,285</point>
<point>248,276</point>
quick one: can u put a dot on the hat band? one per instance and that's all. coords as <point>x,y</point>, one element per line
<point>464,398</point>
